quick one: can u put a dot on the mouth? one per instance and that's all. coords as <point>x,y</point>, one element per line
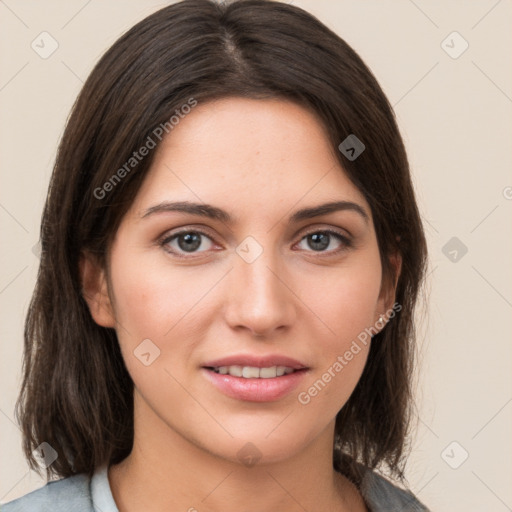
<point>255,379</point>
<point>253,372</point>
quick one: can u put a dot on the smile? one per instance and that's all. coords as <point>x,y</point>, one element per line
<point>253,372</point>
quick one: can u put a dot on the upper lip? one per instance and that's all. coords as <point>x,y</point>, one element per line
<point>256,361</point>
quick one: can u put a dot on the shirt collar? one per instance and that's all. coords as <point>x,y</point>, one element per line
<point>101,494</point>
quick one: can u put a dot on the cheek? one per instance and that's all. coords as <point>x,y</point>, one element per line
<point>349,302</point>
<point>140,295</point>
<point>149,298</point>
<point>153,300</point>
<point>347,307</point>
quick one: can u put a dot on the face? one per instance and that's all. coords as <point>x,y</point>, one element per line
<point>261,286</point>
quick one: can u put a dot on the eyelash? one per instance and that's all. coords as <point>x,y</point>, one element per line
<point>346,242</point>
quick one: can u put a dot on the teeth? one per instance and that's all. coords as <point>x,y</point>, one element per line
<point>252,372</point>
<point>236,371</point>
<point>267,373</point>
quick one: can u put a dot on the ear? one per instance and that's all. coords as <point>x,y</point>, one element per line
<point>95,290</point>
<point>388,290</point>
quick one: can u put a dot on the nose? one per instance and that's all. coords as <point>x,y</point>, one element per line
<point>260,301</point>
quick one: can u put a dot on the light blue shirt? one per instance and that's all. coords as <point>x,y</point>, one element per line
<point>79,493</point>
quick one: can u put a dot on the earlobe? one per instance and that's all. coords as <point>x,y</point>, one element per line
<point>95,290</point>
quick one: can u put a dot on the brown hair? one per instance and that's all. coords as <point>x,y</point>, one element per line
<point>76,392</point>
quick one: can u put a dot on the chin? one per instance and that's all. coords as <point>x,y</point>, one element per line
<point>251,447</point>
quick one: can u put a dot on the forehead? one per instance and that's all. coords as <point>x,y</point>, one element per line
<point>248,153</point>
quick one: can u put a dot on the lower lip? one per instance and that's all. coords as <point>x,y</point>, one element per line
<point>255,390</point>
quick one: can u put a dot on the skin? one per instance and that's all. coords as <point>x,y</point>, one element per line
<point>268,158</point>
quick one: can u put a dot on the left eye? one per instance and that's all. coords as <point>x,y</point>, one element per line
<point>320,240</point>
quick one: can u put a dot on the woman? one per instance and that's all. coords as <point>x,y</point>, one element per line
<point>231,258</point>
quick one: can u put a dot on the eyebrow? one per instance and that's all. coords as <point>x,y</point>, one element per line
<point>215,213</point>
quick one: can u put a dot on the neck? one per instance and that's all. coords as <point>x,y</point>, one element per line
<point>165,471</point>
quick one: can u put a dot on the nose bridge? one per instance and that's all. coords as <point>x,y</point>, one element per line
<point>260,300</point>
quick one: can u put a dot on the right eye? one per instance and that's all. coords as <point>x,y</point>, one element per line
<point>185,241</point>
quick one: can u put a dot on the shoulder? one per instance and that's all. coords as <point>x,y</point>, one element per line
<point>71,493</point>
<point>383,496</point>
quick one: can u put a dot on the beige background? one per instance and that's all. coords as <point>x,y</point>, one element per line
<point>455,116</point>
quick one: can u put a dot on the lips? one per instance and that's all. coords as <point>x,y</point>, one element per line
<point>255,378</point>
<point>256,361</point>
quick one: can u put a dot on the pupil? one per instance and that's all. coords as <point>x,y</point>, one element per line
<point>191,241</point>
<point>319,240</point>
